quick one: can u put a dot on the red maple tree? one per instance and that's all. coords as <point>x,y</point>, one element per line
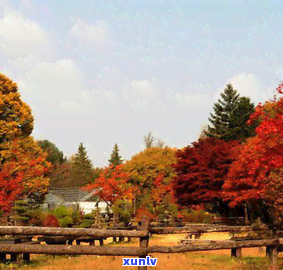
<point>248,177</point>
<point>201,169</point>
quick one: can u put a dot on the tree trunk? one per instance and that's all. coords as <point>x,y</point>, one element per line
<point>246,214</point>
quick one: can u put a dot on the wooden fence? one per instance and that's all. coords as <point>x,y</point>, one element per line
<point>273,245</point>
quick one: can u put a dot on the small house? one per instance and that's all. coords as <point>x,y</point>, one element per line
<point>75,198</point>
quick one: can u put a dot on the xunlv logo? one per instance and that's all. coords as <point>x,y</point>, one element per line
<point>140,261</point>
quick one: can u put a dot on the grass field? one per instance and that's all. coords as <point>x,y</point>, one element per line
<point>252,258</point>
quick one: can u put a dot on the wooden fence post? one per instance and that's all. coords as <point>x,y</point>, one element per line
<point>236,252</point>
<point>273,256</point>
<point>3,257</point>
<point>144,240</point>
<point>26,257</point>
<point>267,252</point>
<point>14,257</point>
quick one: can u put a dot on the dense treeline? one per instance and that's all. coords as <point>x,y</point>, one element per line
<point>234,169</point>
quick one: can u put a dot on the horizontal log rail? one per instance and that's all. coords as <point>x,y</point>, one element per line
<point>76,232</point>
<point>273,245</point>
<point>173,230</point>
<point>214,245</point>
<point>72,250</point>
<point>134,251</point>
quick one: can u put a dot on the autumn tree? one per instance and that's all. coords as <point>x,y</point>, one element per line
<point>16,120</point>
<point>81,168</point>
<point>31,162</point>
<point>10,186</point>
<point>113,184</point>
<point>200,170</point>
<point>115,158</point>
<point>162,199</point>
<point>60,176</point>
<point>61,169</point>
<point>258,160</point>
<point>145,167</point>
<point>17,145</point>
<point>228,122</point>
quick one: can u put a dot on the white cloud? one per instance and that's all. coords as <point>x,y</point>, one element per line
<point>21,36</point>
<point>139,91</point>
<point>52,82</point>
<point>247,84</point>
<point>94,34</point>
<point>191,100</point>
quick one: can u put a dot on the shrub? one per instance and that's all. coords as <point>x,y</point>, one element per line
<point>77,217</point>
<point>88,221</point>
<point>65,222</point>
<point>123,209</point>
<point>21,212</point>
<point>144,212</point>
<point>61,212</point>
<point>198,216</point>
<point>51,221</point>
<point>167,212</point>
<point>37,217</point>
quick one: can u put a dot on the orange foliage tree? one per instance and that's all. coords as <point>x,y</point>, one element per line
<point>31,162</point>
<point>113,184</point>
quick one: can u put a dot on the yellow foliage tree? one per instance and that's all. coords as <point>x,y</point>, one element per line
<point>16,120</point>
<point>145,167</point>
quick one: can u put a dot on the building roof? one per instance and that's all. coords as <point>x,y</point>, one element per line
<point>72,194</point>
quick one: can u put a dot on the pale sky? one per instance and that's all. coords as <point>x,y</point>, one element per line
<point>104,72</point>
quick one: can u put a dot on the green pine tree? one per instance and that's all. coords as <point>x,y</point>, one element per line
<point>230,116</point>
<point>82,172</point>
<point>115,158</point>
<point>238,128</point>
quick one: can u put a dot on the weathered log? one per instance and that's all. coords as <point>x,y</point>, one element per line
<point>176,230</point>
<point>216,245</point>
<point>74,250</point>
<point>198,241</point>
<point>25,230</point>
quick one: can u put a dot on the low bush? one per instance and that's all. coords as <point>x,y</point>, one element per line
<point>65,221</point>
<point>88,221</point>
<point>51,221</point>
<point>197,216</point>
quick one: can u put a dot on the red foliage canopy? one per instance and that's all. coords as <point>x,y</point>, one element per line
<point>10,186</point>
<point>201,169</point>
<point>260,155</point>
